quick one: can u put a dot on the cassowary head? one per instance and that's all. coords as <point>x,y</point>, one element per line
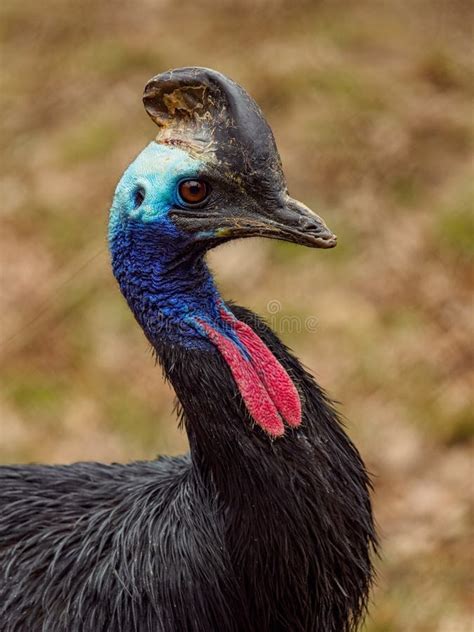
<point>213,173</point>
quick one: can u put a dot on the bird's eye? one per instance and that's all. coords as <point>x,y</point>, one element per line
<point>193,192</point>
<point>138,197</point>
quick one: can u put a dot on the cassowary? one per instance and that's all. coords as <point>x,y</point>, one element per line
<point>266,525</point>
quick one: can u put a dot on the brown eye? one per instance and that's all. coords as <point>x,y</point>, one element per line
<point>193,192</point>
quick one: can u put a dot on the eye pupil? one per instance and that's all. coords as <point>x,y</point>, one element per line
<point>138,198</point>
<point>193,192</point>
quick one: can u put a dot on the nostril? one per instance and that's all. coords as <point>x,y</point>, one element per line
<point>138,197</point>
<point>315,226</point>
<point>310,224</point>
<point>306,224</point>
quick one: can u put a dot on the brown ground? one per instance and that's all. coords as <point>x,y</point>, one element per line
<point>371,106</point>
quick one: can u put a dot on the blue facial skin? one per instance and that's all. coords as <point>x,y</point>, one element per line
<point>167,286</point>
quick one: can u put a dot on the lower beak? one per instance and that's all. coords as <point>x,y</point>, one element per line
<point>288,220</point>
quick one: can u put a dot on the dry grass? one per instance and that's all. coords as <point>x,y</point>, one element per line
<point>371,106</point>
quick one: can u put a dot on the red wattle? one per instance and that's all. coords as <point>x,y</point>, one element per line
<point>256,397</point>
<point>277,382</point>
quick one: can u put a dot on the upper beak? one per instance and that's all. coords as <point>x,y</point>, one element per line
<point>288,220</point>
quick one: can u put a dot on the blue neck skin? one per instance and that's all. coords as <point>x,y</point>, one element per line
<point>160,271</point>
<point>168,296</point>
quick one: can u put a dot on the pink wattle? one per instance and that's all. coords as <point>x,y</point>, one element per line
<point>265,386</point>
<point>254,394</point>
<point>275,378</point>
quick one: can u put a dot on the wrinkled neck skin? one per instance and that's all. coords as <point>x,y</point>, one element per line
<point>164,291</point>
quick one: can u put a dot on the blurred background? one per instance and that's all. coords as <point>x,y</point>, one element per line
<point>370,102</point>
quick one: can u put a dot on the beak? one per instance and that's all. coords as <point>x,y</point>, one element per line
<point>288,220</point>
<point>295,222</point>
